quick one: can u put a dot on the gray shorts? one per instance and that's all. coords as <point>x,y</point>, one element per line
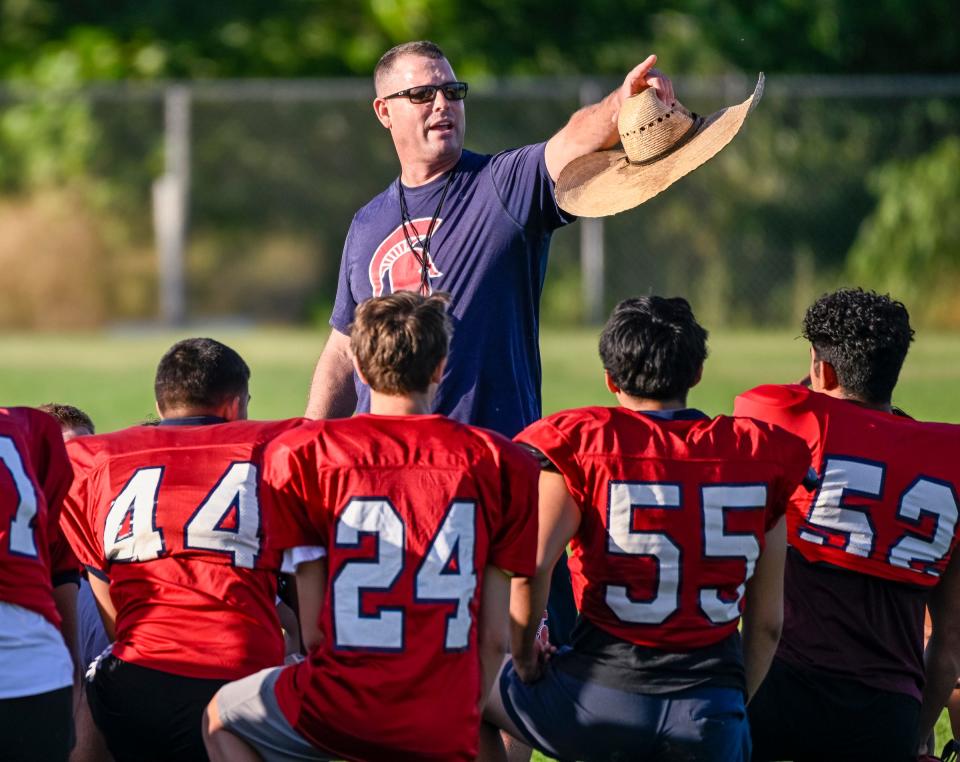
<point>249,709</point>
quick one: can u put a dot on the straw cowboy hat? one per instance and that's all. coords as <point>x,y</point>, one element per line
<point>661,143</point>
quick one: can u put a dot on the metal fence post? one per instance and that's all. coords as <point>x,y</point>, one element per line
<point>171,194</point>
<point>591,241</point>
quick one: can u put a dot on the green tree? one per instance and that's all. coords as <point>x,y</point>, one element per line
<point>910,244</point>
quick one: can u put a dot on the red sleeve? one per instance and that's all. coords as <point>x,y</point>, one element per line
<point>513,545</point>
<point>284,497</point>
<point>780,405</point>
<point>546,436</point>
<point>786,408</point>
<point>796,472</point>
<point>78,518</point>
<point>55,475</point>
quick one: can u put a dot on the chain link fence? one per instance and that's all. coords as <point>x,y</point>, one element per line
<point>272,172</point>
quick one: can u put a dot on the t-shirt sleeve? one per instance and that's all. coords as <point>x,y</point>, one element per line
<point>78,518</point>
<point>526,189</point>
<point>285,496</point>
<point>344,304</point>
<point>546,436</point>
<point>513,547</point>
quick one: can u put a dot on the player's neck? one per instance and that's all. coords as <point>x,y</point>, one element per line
<point>414,174</point>
<point>842,394</point>
<point>640,404</point>
<point>417,403</point>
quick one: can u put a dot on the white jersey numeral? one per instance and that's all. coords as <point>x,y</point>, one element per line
<point>233,501</point>
<point>130,533</point>
<point>228,520</point>
<point>446,575</point>
<point>843,476</point>
<point>625,497</point>
<point>353,628</point>
<point>716,502</point>
<point>920,550</point>
<point>717,543</point>
<point>932,498</point>
<point>22,537</point>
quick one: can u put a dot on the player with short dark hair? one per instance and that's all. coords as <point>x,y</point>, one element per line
<point>403,527</point>
<point>36,669</point>
<point>167,520</point>
<point>868,550</point>
<point>675,523</point>
<point>200,373</point>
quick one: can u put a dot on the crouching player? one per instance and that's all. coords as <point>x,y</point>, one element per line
<point>675,523</point>
<point>166,519</point>
<point>403,527</point>
<point>874,545</point>
<point>36,671</point>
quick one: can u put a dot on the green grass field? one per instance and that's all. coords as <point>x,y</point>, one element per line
<point>110,376</point>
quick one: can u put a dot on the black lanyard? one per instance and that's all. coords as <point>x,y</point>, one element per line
<point>423,255</point>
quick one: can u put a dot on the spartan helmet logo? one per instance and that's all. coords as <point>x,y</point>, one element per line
<point>394,266</point>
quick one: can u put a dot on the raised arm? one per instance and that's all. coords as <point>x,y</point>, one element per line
<point>593,128</point>
<point>763,609</point>
<point>332,394</point>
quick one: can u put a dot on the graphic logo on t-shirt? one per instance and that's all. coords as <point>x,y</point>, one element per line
<point>395,265</point>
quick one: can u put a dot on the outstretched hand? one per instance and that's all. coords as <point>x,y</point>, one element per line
<point>642,77</point>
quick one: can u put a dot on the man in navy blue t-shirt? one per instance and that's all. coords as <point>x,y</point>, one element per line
<point>475,226</point>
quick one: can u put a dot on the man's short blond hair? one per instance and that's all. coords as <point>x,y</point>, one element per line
<point>400,340</point>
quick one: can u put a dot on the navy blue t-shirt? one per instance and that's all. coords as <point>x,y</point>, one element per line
<point>489,252</point>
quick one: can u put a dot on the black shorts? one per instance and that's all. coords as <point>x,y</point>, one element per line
<point>37,727</point>
<point>803,714</point>
<point>145,714</point>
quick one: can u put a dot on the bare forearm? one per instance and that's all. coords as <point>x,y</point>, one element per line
<point>528,599</point>
<point>332,393</point>
<point>65,599</point>
<point>594,127</point>
<point>759,647</point>
<point>942,670</point>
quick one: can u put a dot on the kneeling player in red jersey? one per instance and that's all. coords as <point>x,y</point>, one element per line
<point>36,670</point>
<point>866,551</point>
<point>167,520</point>
<point>675,524</point>
<point>404,527</point>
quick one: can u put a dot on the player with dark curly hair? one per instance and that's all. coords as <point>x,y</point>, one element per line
<point>871,548</point>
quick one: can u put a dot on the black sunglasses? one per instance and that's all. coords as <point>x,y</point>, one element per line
<point>452,91</point>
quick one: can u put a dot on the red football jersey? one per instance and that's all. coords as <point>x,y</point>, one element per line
<point>171,515</point>
<point>674,516</point>
<point>35,475</point>
<point>410,510</point>
<point>888,501</point>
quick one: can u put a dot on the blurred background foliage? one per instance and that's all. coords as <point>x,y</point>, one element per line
<point>819,191</point>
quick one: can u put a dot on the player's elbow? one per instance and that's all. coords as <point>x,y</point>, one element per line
<point>943,648</point>
<point>763,627</point>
